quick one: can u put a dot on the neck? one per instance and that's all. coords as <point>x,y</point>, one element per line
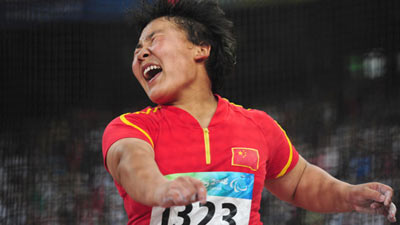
<point>201,106</point>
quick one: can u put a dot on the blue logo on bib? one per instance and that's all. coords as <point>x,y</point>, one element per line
<point>224,184</point>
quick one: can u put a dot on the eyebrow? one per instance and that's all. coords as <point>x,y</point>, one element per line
<point>139,45</point>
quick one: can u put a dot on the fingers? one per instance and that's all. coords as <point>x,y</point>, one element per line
<point>385,191</point>
<point>392,213</point>
<point>388,211</point>
<point>374,208</point>
<point>369,193</point>
<point>388,197</point>
<point>202,194</point>
<point>389,207</point>
<point>379,193</point>
<point>375,198</point>
<point>183,191</point>
<point>385,205</point>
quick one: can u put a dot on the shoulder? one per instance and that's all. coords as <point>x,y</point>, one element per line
<point>257,118</point>
<point>146,119</point>
<point>143,124</point>
<point>249,113</point>
<point>147,114</point>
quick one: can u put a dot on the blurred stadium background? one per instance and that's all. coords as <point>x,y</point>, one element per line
<point>327,70</point>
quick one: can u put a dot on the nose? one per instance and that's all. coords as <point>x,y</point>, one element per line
<point>143,54</point>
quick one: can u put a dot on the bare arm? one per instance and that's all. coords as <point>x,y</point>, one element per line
<point>312,188</point>
<point>132,165</point>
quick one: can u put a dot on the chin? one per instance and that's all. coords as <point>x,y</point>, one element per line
<point>159,99</point>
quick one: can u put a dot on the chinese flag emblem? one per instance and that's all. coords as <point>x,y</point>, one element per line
<point>245,157</point>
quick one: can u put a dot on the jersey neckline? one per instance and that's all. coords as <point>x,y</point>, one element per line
<point>186,119</point>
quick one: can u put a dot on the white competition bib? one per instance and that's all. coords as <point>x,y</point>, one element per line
<point>229,197</point>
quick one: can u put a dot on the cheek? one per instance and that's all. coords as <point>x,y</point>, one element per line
<point>135,69</point>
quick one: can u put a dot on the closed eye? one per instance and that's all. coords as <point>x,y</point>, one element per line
<point>136,51</point>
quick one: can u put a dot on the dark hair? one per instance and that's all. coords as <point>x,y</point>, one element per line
<point>204,23</point>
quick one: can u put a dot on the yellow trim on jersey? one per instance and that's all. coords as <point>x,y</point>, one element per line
<point>234,104</point>
<point>207,145</point>
<point>148,111</point>
<point>286,167</point>
<point>156,108</point>
<point>127,122</point>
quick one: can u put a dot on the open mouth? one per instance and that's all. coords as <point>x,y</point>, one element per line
<point>151,71</point>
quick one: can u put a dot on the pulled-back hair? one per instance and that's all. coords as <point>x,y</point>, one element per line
<point>204,23</point>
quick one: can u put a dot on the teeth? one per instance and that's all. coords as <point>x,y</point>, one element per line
<point>151,68</point>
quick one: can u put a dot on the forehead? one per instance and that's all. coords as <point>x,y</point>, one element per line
<point>161,24</point>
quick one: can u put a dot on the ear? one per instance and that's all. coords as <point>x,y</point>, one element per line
<point>202,52</point>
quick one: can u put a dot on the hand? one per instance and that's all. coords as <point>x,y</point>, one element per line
<point>375,198</point>
<point>181,191</point>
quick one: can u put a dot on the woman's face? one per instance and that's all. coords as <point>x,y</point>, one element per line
<point>164,61</point>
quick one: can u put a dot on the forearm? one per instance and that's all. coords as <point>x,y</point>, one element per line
<point>131,163</point>
<point>312,188</point>
<point>318,191</point>
<point>139,175</point>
